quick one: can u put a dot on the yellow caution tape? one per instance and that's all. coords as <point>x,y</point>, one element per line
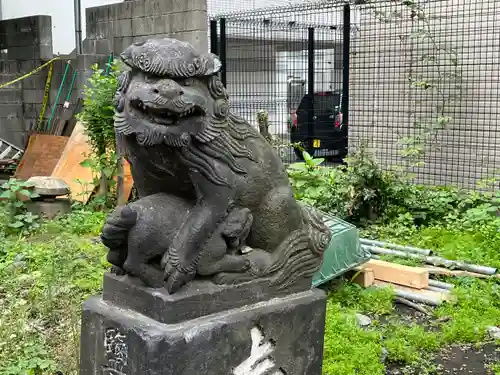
<point>45,97</point>
<point>29,74</point>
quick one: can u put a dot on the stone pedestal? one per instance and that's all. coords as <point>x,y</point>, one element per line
<point>203,330</point>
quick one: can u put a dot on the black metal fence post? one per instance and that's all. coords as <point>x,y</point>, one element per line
<point>345,68</point>
<point>214,37</point>
<point>310,85</point>
<point>223,51</point>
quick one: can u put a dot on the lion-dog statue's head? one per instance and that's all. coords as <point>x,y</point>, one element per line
<point>171,95</point>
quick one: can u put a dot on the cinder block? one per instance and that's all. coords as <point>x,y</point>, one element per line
<point>23,53</point>
<point>11,111</point>
<point>139,8</point>
<point>123,27</point>
<point>101,14</point>
<point>8,95</point>
<point>102,30</point>
<point>33,96</point>
<point>199,39</point>
<point>162,24</point>
<point>85,61</point>
<point>14,132</point>
<point>34,82</point>
<point>7,77</point>
<point>194,4</point>
<point>8,66</point>
<point>189,21</point>
<point>142,26</point>
<point>103,47</point>
<point>91,15</point>
<point>31,110</point>
<point>119,44</point>
<point>125,10</point>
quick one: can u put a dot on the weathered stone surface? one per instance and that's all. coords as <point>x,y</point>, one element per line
<point>288,332</point>
<point>209,184</point>
<point>49,186</point>
<point>197,299</point>
<point>49,210</point>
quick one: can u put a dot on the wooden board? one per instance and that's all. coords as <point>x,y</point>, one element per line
<point>41,156</point>
<point>69,169</point>
<point>128,181</point>
<point>414,277</point>
<point>362,276</point>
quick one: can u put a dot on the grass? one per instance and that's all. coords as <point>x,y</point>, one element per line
<point>350,350</point>
<point>45,276</point>
<point>43,280</point>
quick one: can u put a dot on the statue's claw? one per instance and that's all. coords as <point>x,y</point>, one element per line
<point>164,260</point>
<point>176,279</point>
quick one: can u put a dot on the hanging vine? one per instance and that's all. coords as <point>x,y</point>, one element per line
<point>434,75</point>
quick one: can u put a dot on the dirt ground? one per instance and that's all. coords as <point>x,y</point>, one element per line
<point>453,360</point>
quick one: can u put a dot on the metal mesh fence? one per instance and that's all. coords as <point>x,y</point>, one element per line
<point>417,80</point>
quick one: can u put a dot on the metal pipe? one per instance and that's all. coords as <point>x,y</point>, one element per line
<point>411,304</point>
<point>346,51</point>
<point>440,284</point>
<point>388,245</point>
<point>223,51</point>
<point>436,289</point>
<point>77,10</point>
<point>416,297</point>
<point>435,261</point>
<point>310,85</point>
<point>214,38</point>
<point>382,251</point>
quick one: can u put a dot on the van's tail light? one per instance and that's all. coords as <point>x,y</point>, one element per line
<point>338,120</point>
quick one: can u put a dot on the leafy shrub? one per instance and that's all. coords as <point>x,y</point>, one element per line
<point>12,193</point>
<point>359,191</point>
<point>98,109</point>
<point>362,193</point>
<point>98,118</point>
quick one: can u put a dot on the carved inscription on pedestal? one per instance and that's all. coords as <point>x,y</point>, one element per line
<point>260,361</point>
<point>115,352</point>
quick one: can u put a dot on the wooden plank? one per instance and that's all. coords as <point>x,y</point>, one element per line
<point>41,156</point>
<point>69,169</point>
<point>362,276</point>
<point>415,277</point>
<point>128,181</point>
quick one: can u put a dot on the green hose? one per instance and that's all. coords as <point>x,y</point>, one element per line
<point>58,95</point>
<point>71,86</point>
<point>108,65</point>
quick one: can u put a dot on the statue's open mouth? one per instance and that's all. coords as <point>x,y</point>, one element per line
<point>164,116</point>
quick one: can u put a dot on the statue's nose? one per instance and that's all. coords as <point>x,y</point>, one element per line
<point>168,89</point>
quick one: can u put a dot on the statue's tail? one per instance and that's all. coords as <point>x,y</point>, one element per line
<point>301,254</point>
<point>114,234</point>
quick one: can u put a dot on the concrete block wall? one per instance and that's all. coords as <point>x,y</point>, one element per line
<point>112,28</point>
<point>25,44</point>
<point>384,107</point>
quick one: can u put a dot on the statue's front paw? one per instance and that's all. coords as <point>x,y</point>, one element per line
<point>175,279</point>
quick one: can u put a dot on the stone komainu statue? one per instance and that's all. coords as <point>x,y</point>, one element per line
<point>214,198</point>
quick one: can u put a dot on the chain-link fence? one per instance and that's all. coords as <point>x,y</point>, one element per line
<point>417,80</point>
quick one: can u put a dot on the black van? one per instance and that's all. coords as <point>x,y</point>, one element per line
<point>328,132</point>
